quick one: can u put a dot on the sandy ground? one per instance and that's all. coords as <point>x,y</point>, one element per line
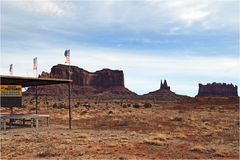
<point>116,130</point>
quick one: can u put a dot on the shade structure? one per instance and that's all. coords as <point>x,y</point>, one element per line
<point>31,81</point>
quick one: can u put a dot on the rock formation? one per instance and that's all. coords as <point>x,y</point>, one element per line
<point>164,85</point>
<point>105,82</point>
<point>163,93</point>
<point>217,89</point>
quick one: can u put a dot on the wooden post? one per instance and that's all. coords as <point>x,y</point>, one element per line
<point>32,122</point>
<point>36,123</point>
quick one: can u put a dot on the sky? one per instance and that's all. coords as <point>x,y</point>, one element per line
<point>185,42</point>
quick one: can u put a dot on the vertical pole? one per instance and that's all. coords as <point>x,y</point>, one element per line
<point>69,100</point>
<point>36,96</point>
<point>69,105</point>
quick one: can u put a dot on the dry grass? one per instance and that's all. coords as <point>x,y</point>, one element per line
<point>202,149</point>
<point>153,142</point>
<point>157,139</point>
<point>83,135</point>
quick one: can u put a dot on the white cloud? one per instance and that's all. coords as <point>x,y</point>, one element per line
<point>193,16</point>
<point>160,16</point>
<point>46,7</point>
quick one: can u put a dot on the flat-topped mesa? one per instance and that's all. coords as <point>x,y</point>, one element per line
<point>104,78</point>
<point>217,89</point>
<point>164,85</point>
<point>105,82</point>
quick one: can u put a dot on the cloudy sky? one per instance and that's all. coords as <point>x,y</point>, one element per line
<point>185,42</point>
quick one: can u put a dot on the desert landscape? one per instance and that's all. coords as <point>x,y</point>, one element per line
<point>119,80</point>
<point>111,122</point>
<point>200,128</point>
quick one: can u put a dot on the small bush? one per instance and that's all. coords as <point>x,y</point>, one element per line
<point>202,149</point>
<point>136,105</point>
<point>153,142</point>
<point>46,153</point>
<point>124,106</point>
<point>77,104</point>
<point>60,105</point>
<point>86,105</point>
<point>147,105</point>
<point>129,104</point>
<point>55,105</point>
<point>177,119</point>
<point>83,112</point>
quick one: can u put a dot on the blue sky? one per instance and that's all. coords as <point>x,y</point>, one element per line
<point>185,42</point>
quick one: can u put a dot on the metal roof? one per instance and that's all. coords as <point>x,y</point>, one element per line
<point>30,81</point>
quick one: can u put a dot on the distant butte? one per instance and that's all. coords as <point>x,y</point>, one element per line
<point>164,93</point>
<point>217,90</point>
<point>107,83</point>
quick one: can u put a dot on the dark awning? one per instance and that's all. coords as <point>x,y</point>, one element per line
<point>30,81</point>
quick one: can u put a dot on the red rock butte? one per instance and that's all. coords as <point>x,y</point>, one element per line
<point>217,90</point>
<point>105,82</point>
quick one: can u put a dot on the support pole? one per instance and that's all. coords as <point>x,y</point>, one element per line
<point>69,102</point>
<point>69,105</point>
<point>36,96</point>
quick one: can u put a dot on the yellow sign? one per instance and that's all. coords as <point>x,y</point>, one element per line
<point>11,90</point>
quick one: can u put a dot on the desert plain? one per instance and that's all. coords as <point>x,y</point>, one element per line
<point>197,128</point>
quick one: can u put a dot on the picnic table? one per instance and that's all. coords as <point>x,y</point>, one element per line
<point>11,118</point>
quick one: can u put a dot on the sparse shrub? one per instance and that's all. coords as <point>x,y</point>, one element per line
<point>60,105</point>
<point>136,105</point>
<point>122,158</point>
<point>55,105</point>
<point>147,105</point>
<point>32,109</point>
<point>86,105</point>
<point>46,153</point>
<point>110,112</point>
<point>220,154</point>
<point>153,142</point>
<point>129,104</point>
<point>202,149</point>
<point>83,112</point>
<point>77,104</point>
<point>177,119</point>
<point>124,106</point>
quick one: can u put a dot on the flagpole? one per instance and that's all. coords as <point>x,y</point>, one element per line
<point>67,55</point>
<point>69,99</point>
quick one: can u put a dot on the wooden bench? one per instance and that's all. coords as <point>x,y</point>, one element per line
<point>33,118</point>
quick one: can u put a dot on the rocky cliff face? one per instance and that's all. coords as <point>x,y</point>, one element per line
<point>105,82</point>
<point>164,93</point>
<point>217,89</point>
